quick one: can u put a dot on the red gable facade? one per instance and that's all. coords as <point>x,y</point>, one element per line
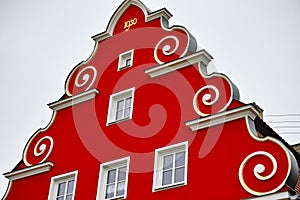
<point>142,119</point>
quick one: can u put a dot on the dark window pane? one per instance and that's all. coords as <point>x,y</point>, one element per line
<point>128,102</point>
<point>180,159</point>
<point>128,62</point>
<point>179,175</point>
<point>122,174</point>
<point>120,104</point>
<point>119,115</point>
<point>127,113</point>
<point>70,187</point>
<point>110,191</point>
<point>61,189</point>
<point>167,177</point>
<point>168,162</point>
<point>121,188</point>
<point>111,176</point>
<point>60,198</point>
<point>69,197</point>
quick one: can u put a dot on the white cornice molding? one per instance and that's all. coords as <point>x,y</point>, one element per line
<point>76,99</point>
<point>29,171</point>
<point>200,56</point>
<point>158,14</point>
<point>275,196</point>
<point>223,117</point>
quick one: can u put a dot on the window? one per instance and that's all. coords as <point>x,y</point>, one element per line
<point>125,60</point>
<point>123,108</point>
<point>128,62</point>
<point>65,190</point>
<point>120,106</point>
<point>113,179</point>
<point>62,187</point>
<point>170,167</point>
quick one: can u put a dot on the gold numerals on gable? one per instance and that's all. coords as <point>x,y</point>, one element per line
<point>130,23</point>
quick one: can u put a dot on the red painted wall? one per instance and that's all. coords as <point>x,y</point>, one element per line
<point>162,105</point>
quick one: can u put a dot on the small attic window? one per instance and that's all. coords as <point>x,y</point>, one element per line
<point>125,60</point>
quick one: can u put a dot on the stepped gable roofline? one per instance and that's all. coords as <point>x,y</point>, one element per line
<point>149,16</point>
<point>132,14</point>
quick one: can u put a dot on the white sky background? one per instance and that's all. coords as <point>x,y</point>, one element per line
<point>256,43</point>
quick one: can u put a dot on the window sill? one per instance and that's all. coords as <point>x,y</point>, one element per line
<point>166,187</point>
<point>124,67</point>
<point>116,198</point>
<point>118,121</point>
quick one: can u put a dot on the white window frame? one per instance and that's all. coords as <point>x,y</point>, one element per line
<point>104,168</point>
<point>112,108</point>
<point>123,59</point>
<point>158,166</point>
<point>55,181</point>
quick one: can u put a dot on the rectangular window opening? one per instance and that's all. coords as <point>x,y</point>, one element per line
<point>62,187</point>
<point>113,180</point>
<point>120,106</point>
<point>170,168</point>
<point>125,60</point>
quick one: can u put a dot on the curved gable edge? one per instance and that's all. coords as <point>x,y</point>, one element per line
<point>162,13</point>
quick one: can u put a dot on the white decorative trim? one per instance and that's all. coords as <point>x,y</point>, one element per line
<point>166,49</point>
<point>292,165</point>
<point>111,114</point>
<point>7,190</point>
<point>257,170</point>
<point>157,173</point>
<point>76,99</point>
<point>179,63</point>
<point>206,98</point>
<point>61,178</point>
<point>40,149</point>
<point>86,77</point>
<point>162,13</point>
<point>260,168</point>
<point>29,171</point>
<point>276,196</point>
<point>122,59</point>
<point>158,14</point>
<point>104,167</point>
<point>223,117</point>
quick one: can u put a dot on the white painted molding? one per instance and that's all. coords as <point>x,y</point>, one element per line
<point>200,56</point>
<point>112,107</point>
<point>76,99</point>
<point>29,171</point>
<point>86,78</point>
<point>158,14</point>
<point>104,167</point>
<point>158,163</point>
<point>275,196</point>
<point>223,117</point>
<point>53,189</point>
<point>162,13</point>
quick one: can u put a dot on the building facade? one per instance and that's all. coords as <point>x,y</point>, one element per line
<point>142,118</point>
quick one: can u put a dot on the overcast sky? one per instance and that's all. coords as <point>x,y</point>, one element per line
<point>256,43</point>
